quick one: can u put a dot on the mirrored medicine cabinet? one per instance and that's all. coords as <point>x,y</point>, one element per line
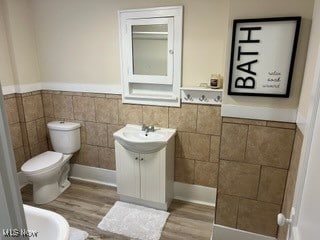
<point>151,46</point>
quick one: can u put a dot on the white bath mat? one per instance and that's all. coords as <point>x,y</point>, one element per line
<point>77,234</point>
<point>134,221</point>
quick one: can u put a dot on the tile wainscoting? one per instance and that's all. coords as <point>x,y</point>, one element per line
<point>246,160</point>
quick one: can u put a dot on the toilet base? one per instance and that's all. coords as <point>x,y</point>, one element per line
<point>46,193</point>
<point>47,186</point>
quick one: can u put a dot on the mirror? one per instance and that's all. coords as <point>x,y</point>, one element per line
<point>149,49</point>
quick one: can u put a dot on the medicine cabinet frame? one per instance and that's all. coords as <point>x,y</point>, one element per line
<point>147,89</point>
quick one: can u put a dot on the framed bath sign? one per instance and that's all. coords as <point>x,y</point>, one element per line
<point>262,56</point>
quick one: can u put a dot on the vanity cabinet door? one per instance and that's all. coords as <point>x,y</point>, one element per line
<point>128,172</point>
<point>152,175</point>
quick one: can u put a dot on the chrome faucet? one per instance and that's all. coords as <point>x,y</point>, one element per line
<point>147,128</point>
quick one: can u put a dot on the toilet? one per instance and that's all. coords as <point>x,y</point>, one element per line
<point>48,171</point>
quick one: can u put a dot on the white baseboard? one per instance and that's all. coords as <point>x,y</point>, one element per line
<point>195,193</point>
<point>182,191</point>
<point>226,233</point>
<point>93,174</point>
<point>260,113</point>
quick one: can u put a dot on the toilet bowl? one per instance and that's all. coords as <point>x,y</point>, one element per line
<point>48,171</point>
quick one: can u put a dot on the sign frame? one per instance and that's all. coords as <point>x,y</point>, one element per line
<point>244,82</point>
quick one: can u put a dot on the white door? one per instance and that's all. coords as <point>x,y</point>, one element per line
<point>307,223</point>
<point>152,169</point>
<point>306,204</point>
<point>128,172</point>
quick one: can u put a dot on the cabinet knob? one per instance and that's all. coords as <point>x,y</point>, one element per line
<point>141,159</point>
<point>136,158</point>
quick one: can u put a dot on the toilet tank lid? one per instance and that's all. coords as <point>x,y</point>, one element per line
<point>63,126</point>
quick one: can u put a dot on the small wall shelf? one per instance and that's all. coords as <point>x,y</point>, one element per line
<point>201,95</point>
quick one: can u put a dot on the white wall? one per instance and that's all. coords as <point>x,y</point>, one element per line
<point>21,39</point>
<point>273,8</point>
<point>309,220</point>
<point>6,74</point>
<point>313,50</point>
<point>78,40</point>
<point>307,195</point>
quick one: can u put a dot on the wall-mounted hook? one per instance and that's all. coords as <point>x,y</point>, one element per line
<point>217,98</point>
<point>203,98</point>
<point>188,98</point>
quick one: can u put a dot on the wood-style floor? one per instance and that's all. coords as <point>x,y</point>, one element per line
<point>84,204</point>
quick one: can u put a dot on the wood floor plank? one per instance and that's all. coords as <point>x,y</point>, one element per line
<point>84,204</point>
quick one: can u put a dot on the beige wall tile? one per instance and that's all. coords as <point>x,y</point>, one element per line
<point>272,184</point>
<point>20,109</point>
<point>27,94</point>
<point>244,121</point>
<point>41,129</point>
<point>115,96</point>
<point>12,95</point>
<point>227,210</point>
<point>258,217</point>
<point>32,132</point>
<point>36,92</point>
<point>69,93</point>
<point>16,136</point>
<point>83,108</point>
<point>183,118</point>
<point>238,179</point>
<point>112,129</point>
<point>27,152</point>
<point>206,174</point>
<point>184,170</point>
<point>38,148</point>
<point>282,125</point>
<point>269,146</point>
<point>106,110</point>
<point>47,104</point>
<point>89,156</point>
<point>107,158</point>
<point>214,149</point>
<point>43,146</point>
<point>233,141</point>
<point>24,134</point>
<point>19,157</point>
<point>157,116</point>
<point>83,134</point>
<point>62,106</point>
<point>129,113</point>
<point>209,120</point>
<point>11,110</point>
<point>178,144</point>
<point>195,146</point>
<point>94,95</point>
<point>33,108</point>
<point>97,134</point>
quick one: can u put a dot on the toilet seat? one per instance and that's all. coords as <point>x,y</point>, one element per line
<point>42,162</point>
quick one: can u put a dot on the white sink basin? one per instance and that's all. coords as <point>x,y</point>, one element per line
<point>45,225</point>
<point>134,139</point>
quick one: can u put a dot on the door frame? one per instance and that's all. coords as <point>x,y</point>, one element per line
<point>11,208</point>
<point>306,149</point>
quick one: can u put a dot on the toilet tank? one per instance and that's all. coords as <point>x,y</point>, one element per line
<point>64,136</point>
